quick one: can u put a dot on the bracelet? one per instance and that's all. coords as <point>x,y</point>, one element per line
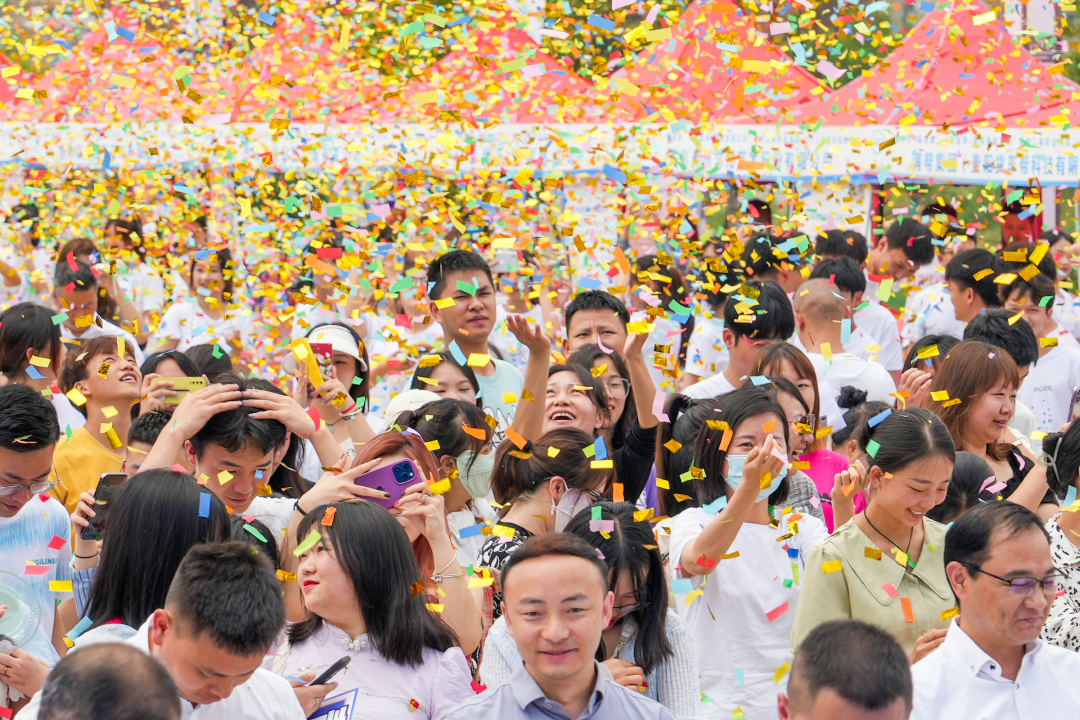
<point>88,557</point>
<point>439,577</point>
<point>297,508</point>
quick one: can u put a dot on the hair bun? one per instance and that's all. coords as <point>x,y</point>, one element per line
<point>851,397</point>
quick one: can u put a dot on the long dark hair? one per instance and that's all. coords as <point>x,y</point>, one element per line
<point>523,477</point>
<point>286,481</point>
<point>735,408</point>
<point>444,421</point>
<point>632,547</point>
<point>585,356</point>
<point>686,417</point>
<point>154,521</point>
<point>969,473</point>
<point>374,552</point>
<point>22,327</point>
<point>908,436</point>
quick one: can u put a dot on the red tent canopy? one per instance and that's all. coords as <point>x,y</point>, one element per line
<point>950,70</point>
<point>754,83</point>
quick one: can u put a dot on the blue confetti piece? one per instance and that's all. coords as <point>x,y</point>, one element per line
<point>252,229</point>
<point>681,586</point>
<point>716,505</point>
<point>64,45</point>
<point>601,449</point>
<point>204,505</point>
<point>108,159</point>
<point>602,23</point>
<point>471,531</point>
<point>267,18</point>
<point>845,331</point>
<point>876,420</point>
<point>33,373</point>
<point>589,283</point>
<point>80,627</point>
<point>925,6</point>
<point>740,677</point>
<point>183,189</point>
<point>615,174</point>
<point>793,553</point>
<point>759,380</point>
<point>125,34</point>
<point>1070,496</point>
<point>459,357</point>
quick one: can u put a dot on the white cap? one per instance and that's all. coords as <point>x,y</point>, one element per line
<point>408,400</point>
<point>339,338</point>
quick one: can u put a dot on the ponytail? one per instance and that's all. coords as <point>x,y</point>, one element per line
<point>1061,456</point>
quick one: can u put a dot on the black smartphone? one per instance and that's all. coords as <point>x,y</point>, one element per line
<point>331,671</point>
<point>108,488</point>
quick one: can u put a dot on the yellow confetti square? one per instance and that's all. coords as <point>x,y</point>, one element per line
<point>602,464</point>
<point>224,477</point>
<point>479,360</point>
<point>440,487</point>
<point>76,397</point>
<point>509,398</point>
<point>109,412</point>
<point>831,566</point>
<point>60,586</point>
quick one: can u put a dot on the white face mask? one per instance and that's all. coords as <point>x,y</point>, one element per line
<point>572,502</point>
<point>476,478</point>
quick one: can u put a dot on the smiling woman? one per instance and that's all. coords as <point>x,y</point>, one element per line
<point>885,566</point>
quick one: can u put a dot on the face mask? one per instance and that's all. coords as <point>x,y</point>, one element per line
<point>735,476</point>
<point>572,502</point>
<point>476,478</point>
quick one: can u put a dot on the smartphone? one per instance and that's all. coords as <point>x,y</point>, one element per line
<point>182,386</point>
<point>1074,406</point>
<point>393,479</point>
<point>324,357</point>
<point>331,671</point>
<point>108,488</point>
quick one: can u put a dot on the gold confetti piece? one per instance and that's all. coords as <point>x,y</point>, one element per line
<point>673,445</point>
<point>509,398</point>
<point>831,566</point>
<point>873,553</point>
<point>440,487</point>
<point>602,464</point>
<point>286,576</point>
<point>950,613</point>
<point>553,451</point>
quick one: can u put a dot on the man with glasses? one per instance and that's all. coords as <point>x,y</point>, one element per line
<point>35,542</point>
<point>997,558</point>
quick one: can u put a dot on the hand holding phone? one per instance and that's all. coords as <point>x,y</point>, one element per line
<point>331,671</point>
<point>108,489</point>
<point>393,479</point>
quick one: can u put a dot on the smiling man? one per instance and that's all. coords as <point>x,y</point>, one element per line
<point>103,371</point>
<point>557,629</point>
<point>992,661</point>
<point>221,616</point>
<point>33,533</point>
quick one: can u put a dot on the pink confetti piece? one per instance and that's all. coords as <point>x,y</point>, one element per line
<point>986,483</point>
<point>603,347</point>
<point>57,542</point>
<point>653,12</point>
<point>773,614</point>
<point>658,406</point>
<point>890,590</point>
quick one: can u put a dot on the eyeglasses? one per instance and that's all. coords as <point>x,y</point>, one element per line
<point>37,488</point>
<point>617,388</point>
<point>1023,586</point>
<point>804,425</point>
<point>627,609</point>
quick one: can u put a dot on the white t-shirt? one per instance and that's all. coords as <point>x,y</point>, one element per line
<point>742,623</point>
<point>879,325</point>
<point>263,696</point>
<point>144,286</point>
<point>846,369</point>
<point>1048,387</point>
<point>706,354</point>
<point>24,541</point>
<point>186,322</point>
<point>1067,311</point>
<point>69,417</point>
<point>273,512</point>
<point>468,548</point>
<point>1064,337</point>
<point>107,328</point>
<point>930,312</point>
<point>709,387</point>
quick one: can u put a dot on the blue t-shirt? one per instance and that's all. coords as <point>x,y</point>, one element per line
<point>507,379</point>
<point>25,542</point>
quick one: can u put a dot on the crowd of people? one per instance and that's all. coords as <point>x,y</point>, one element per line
<point>469,493</point>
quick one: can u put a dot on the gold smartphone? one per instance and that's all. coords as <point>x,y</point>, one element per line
<point>182,386</point>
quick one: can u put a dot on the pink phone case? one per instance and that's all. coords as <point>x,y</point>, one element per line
<point>393,479</point>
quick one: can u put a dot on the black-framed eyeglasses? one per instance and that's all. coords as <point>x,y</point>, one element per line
<point>1023,586</point>
<point>37,488</point>
<point>632,607</point>
<point>618,388</point>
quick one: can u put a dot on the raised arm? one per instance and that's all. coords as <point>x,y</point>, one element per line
<point>529,416</point>
<point>640,379</point>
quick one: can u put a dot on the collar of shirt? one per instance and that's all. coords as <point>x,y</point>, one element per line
<point>527,691</point>
<point>974,661</point>
<point>876,573</point>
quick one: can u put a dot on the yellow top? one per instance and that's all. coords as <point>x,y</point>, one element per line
<point>79,463</point>
<point>878,591</point>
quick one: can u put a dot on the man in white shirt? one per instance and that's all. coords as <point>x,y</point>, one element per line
<point>991,663</point>
<point>819,316</point>
<point>754,315</point>
<point>848,669</point>
<point>883,344</point>
<point>970,276</point>
<point>76,293</point>
<point>212,642</point>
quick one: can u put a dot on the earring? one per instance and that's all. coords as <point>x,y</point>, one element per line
<point>553,508</point>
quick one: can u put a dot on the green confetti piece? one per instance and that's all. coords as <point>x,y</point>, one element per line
<point>872,448</point>
<point>309,542</point>
<point>598,513</point>
<point>466,287</point>
<point>256,533</point>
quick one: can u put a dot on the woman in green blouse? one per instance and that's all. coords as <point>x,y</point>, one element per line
<point>885,565</point>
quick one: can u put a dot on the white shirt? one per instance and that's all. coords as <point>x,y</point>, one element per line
<point>739,648</point>
<point>1048,387</point>
<point>930,312</point>
<point>1064,337</point>
<point>142,285</point>
<point>186,322</point>
<point>273,512</point>
<point>706,354</point>
<point>107,328</point>
<point>880,325</point>
<point>1067,311</point>
<point>959,680</point>
<point>709,387</point>
<point>468,548</point>
<point>846,369</point>
<point>264,696</point>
